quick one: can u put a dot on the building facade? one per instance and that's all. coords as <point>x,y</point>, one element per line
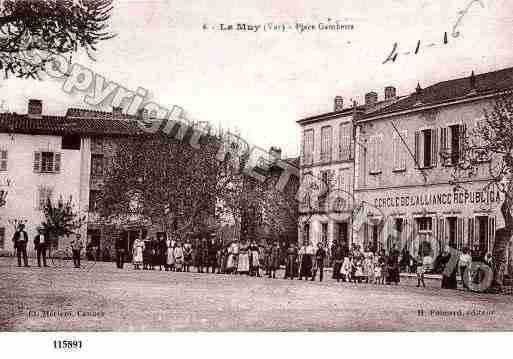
<point>327,165</point>
<point>401,165</point>
<point>410,184</point>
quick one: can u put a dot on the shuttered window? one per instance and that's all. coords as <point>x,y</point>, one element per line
<point>326,141</point>
<point>375,149</point>
<point>399,151</point>
<point>47,162</point>
<point>451,143</point>
<point>43,194</point>
<point>308,147</point>
<point>345,141</point>
<point>3,160</point>
<point>426,148</point>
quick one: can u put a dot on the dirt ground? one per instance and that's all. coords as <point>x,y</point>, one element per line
<point>101,297</point>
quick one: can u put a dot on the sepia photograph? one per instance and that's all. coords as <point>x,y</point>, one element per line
<point>255,166</point>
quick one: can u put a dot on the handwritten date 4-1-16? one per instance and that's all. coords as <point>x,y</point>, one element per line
<point>67,344</point>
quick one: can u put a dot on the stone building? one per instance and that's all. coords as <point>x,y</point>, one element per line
<point>406,161</point>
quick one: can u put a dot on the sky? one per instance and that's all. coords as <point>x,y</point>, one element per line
<point>260,83</point>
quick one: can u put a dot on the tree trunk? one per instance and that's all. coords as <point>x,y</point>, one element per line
<point>502,241</point>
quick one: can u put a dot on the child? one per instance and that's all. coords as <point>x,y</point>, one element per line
<point>345,270</point>
<point>377,274</point>
<point>420,271</point>
<point>358,271</point>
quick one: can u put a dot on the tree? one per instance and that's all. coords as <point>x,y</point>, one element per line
<point>61,219</point>
<point>489,148</point>
<point>54,27</point>
<point>163,182</point>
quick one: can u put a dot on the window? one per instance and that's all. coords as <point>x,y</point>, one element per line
<point>451,139</point>
<point>344,180</point>
<point>307,232</point>
<point>47,162</point>
<point>97,162</point>
<point>400,151</point>
<point>94,197</point>
<point>3,160</point>
<point>342,229</point>
<point>70,142</point>
<point>326,137</point>
<point>43,194</point>
<point>2,238</point>
<point>308,146</point>
<point>375,150</point>
<point>424,224</point>
<point>451,231</point>
<point>345,141</point>
<point>426,148</point>
<point>324,233</point>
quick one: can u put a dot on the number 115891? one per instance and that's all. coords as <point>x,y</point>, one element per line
<point>67,344</point>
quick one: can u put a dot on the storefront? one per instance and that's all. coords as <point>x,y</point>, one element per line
<point>406,216</point>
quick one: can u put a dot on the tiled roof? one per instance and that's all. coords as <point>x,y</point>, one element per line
<point>451,90</point>
<point>74,112</point>
<point>15,123</point>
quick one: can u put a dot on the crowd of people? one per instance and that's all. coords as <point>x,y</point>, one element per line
<point>254,259</point>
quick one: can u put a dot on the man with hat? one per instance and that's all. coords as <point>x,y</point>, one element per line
<point>40,244</point>
<point>20,240</point>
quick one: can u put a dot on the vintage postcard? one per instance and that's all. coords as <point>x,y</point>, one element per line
<point>245,165</point>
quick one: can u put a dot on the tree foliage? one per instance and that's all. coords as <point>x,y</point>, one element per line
<point>163,182</point>
<point>51,26</point>
<point>489,147</point>
<point>61,218</point>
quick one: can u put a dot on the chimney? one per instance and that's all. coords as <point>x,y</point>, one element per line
<point>389,92</point>
<point>418,94</point>
<point>472,82</point>
<point>275,152</point>
<point>371,98</point>
<point>35,108</point>
<point>339,104</point>
<point>117,112</point>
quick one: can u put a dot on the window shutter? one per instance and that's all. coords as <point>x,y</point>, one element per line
<point>350,141</point>
<point>459,233</point>
<point>491,234</point>
<point>3,161</point>
<point>370,154</point>
<point>443,144</point>
<point>470,240</point>
<point>395,152</point>
<point>463,133</point>
<point>434,147</point>
<point>57,162</point>
<point>441,231</point>
<point>403,151</point>
<point>418,150</point>
<point>379,153</point>
<point>37,162</point>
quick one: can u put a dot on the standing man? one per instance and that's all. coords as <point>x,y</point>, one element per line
<point>20,240</point>
<point>76,247</point>
<point>40,246</point>
<point>320,256</point>
<point>120,252</point>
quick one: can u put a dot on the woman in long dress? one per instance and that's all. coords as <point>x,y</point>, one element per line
<point>243,263</point>
<point>233,258</point>
<point>138,253</point>
<point>187,256</point>
<point>170,257</point>
<point>178,254</point>
<point>255,259</point>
